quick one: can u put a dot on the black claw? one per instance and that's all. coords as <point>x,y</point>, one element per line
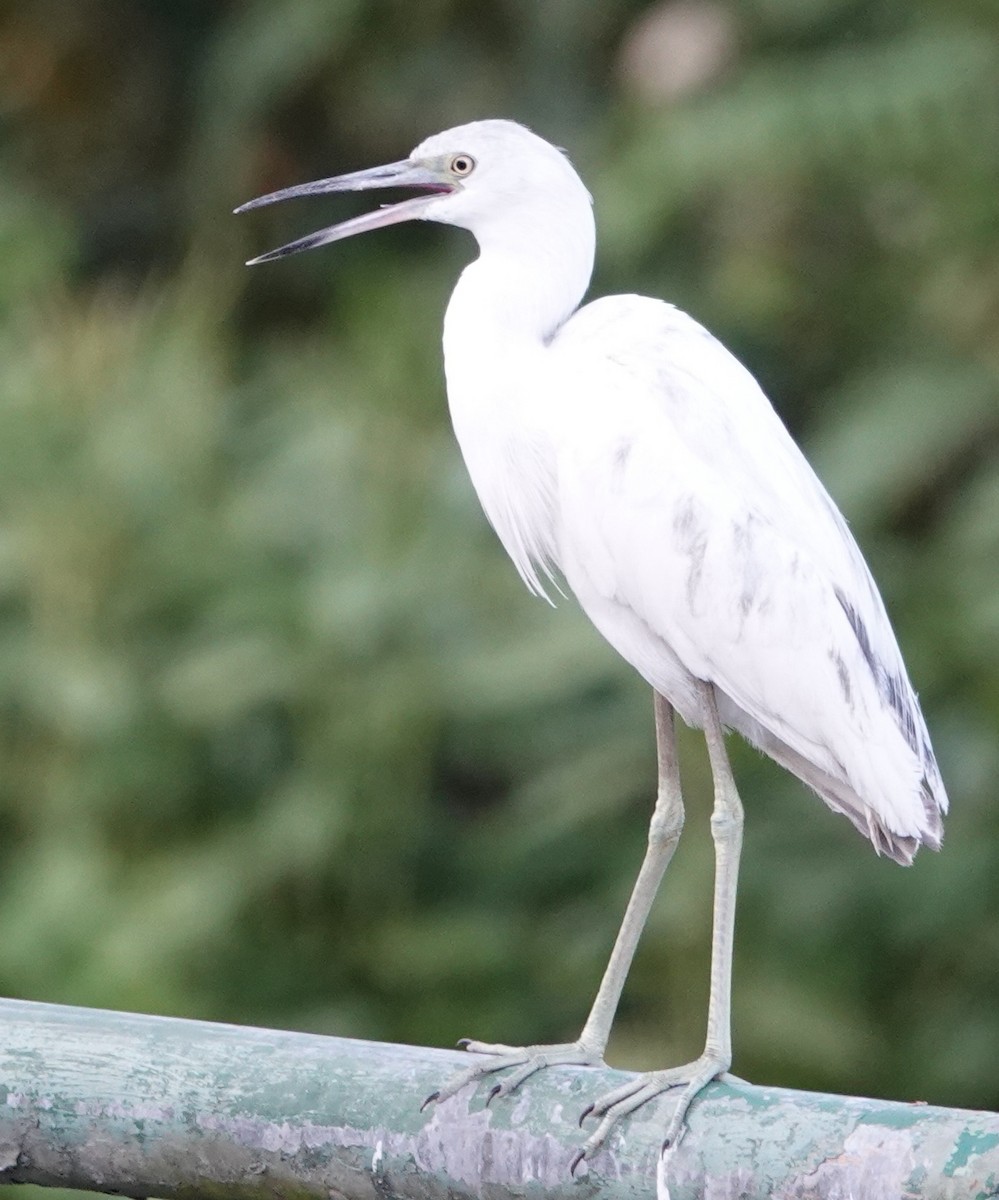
<point>667,1145</point>
<point>585,1113</point>
<point>493,1093</point>
<point>463,1043</point>
<point>429,1100</point>
<point>577,1158</point>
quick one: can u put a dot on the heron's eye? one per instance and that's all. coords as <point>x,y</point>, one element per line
<point>461,164</point>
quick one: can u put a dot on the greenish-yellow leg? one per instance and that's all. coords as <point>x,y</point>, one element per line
<point>726,830</point>
<point>588,1049</point>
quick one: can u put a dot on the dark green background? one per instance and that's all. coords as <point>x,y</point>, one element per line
<point>283,739</point>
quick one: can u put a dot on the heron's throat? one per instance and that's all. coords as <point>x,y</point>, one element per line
<point>503,313</point>
<point>530,276</point>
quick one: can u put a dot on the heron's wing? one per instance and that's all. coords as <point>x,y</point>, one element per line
<point>690,510</point>
<point>717,411</point>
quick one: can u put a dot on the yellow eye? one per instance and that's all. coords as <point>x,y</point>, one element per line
<point>461,164</point>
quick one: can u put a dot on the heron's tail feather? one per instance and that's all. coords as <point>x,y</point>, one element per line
<point>842,798</point>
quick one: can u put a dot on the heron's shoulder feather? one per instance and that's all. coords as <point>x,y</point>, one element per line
<point>675,388</point>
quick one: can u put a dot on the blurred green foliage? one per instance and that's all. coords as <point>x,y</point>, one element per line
<point>282,738</point>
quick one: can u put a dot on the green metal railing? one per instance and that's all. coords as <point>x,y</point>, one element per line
<point>149,1106</point>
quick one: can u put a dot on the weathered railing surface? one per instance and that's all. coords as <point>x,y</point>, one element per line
<point>149,1106</point>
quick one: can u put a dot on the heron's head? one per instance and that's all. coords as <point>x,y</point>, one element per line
<point>495,178</point>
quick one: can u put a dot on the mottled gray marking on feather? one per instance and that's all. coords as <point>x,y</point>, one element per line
<point>891,686</point>
<point>692,540</point>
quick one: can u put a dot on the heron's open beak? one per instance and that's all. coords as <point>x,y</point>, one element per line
<point>403,174</point>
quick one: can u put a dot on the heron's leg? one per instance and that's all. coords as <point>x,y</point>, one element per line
<point>664,833</point>
<point>726,831</point>
<point>588,1050</point>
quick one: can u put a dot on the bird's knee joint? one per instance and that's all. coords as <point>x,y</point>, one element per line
<point>665,826</point>
<point>726,825</point>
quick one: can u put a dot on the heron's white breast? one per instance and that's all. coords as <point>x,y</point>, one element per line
<point>501,427</point>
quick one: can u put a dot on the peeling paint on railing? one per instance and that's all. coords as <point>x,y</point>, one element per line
<point>148,1106</point>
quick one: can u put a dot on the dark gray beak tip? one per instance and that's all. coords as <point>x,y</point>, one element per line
<point>270,256</point>
<point>257,203</point>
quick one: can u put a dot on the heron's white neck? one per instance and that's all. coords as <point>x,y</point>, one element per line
<point>504,310</point>
<point>531,274</point>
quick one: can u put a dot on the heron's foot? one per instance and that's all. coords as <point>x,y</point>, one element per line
<point>623,1101</point>
<point>522,1061</point>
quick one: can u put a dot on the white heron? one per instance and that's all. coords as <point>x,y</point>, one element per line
<point>620,448</point>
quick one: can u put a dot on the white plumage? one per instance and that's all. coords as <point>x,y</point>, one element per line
<point>621,448</point>
<point>627,449</point>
